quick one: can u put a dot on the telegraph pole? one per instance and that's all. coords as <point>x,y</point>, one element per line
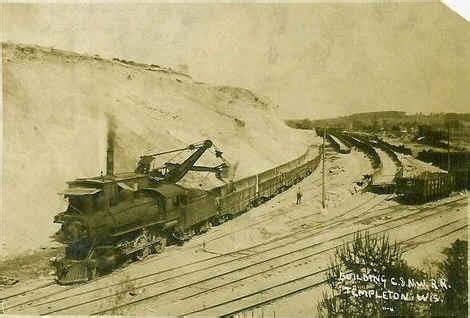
<point>323,170</point>
<point>448,147</point>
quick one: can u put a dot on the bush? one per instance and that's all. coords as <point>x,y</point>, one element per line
<point>374,257</point>
<point>455,269</point>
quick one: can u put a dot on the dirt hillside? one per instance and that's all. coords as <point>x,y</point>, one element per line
<point>54,115</point>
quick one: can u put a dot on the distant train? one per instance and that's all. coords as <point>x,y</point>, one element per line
<point>115,218</point>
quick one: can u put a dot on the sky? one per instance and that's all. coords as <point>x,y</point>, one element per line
<point>313,60</point>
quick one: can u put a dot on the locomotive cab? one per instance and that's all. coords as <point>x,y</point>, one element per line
<point>84,200</point>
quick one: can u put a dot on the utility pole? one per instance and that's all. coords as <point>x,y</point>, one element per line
<point>448,147</point>
<point>323,170</point>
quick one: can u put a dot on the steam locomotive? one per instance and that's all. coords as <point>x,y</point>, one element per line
<point>116,218</point>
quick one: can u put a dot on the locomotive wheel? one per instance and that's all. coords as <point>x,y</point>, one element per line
<point>177,237</point>
<point>143,253</point>
<point>159,247</point>
<point>203,228</point>
<point>91,273</point>
<point>220,219</point>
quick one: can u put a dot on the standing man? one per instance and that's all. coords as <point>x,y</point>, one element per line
<point>299,196</point>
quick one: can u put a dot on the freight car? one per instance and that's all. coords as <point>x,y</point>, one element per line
<point>425,187</point>
<point>240,196</point>
<point>116,218</point>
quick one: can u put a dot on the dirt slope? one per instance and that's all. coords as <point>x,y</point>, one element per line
<point>54,128</point>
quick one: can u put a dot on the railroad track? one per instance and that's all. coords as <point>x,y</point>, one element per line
<point>206,263</point>
<point>303,249</point>
<point>312,280</point>
<point>152,274</point>
<point>23,292</point>
<point>304,280</point>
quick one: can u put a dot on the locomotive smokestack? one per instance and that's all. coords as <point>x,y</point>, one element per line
<point>110,149</point>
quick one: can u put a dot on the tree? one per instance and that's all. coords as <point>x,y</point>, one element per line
<point>455,269</point>
<point>299,124</point>
<point>376,259</point>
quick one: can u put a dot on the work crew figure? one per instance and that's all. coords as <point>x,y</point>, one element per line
<point>299,196</point>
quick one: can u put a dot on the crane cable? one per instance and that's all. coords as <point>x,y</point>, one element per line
<point>172,158</point>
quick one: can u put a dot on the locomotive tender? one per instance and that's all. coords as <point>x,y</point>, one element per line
<point>116,218</point>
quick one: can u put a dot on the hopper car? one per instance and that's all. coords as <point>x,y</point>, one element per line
<point>425,187</point>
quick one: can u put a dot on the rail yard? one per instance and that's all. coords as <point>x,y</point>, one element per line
<point>271,259</point>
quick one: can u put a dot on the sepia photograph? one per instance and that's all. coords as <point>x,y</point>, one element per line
<point>235,159</point>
